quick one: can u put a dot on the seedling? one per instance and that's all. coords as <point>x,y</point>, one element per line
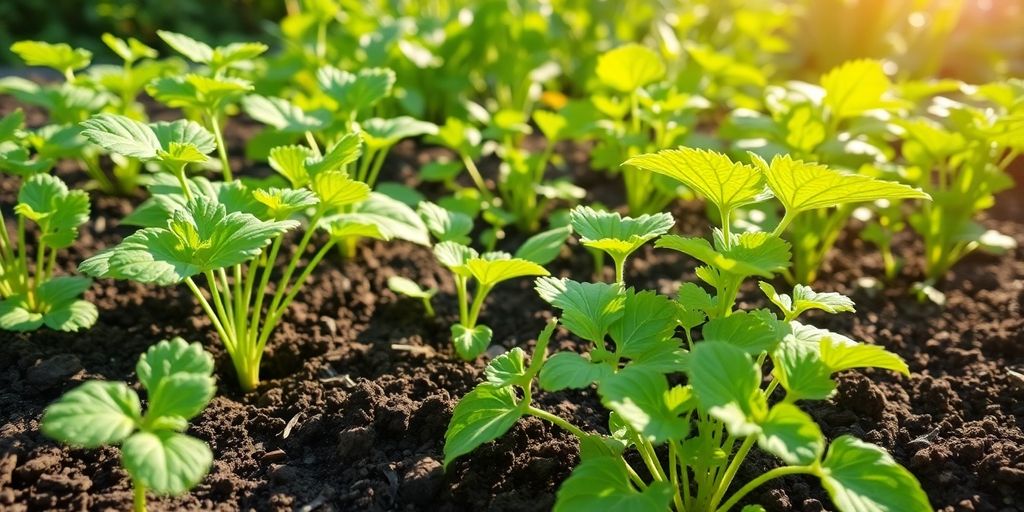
<point>616,236</point>
<point>155,452</point>
<point>485,270</point>
<point>409,288</point>
<point>222,232</point>
<point>32,295</point>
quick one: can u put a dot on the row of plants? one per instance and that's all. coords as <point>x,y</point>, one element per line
<point>782,176</point>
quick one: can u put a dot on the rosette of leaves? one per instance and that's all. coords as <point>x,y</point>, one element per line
<point>802,188</point>
<point>483,271</point>
<point>692,438</point>
<point>32,295</point>
<point>155,452</point>
<point>209,94</point>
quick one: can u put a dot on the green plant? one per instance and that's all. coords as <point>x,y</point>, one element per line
<point>409,288</point>
<point>208,96</point>
<point>804,189</point>
<point>609,233</point>
<point>486,271</point>
<point>155,452</point>
<point>707,426</point>
<point>222,231</point>
<point>32,296</point>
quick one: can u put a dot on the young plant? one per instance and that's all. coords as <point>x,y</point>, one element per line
<point>802,188</point>
<point>222,232</point>
<point>155,452</point>
<point>484,271</point>
<point>32,296</point>
<point>609,233</point>
<point>409,288</point>
<point>208,96</point>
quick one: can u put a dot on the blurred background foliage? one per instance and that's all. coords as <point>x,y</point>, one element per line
<point>972,40</point>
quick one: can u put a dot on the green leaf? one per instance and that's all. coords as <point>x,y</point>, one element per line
<point>553,126</point>
<point>602,483</point>
<point>753,332</point>
<point>804,298</point>
<point>629,67</point>
<point>791,435</point>
<point>290,162</point>
<point>122,136</point>
<point>861,477</point>
<point>15,315</point>
<point>507,369</point>
<point>728,385</point>
<point>470,342</point>
<point>644,400</point>
<point>383,133</point>
<point>455,256</point>
<point>618,236</point>
<point>355,92</point>
<point>749,254</point>
<point>409,288</point>
<point>492,272</point>
<point>588,309</point>
<point>855,87</point>
<point>62,311</point>
<point>393,218</point>
<point>281,114</point>
<point>802,186</point>
<point>336,189</point>
<point>483,415</point>
<point>195,51</point>
<point>339,155</point>
<point>445,225</point>
<point>648,321</point>
<point>60,56</point>
<point>800,370</point>
<point>186,133</point>
<point>93,415</point>
<point>569,370</point>
<point>166,462</point>
<point>283,203</point>
<point>200,237</point>
<point>839,355</point>
<point>727,184</point>
<point>171,357</point>
<point>180,395</point>
<point>130,50</point>
<point>544,247</point>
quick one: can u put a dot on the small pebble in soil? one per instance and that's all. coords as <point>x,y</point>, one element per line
<point>422,481</point>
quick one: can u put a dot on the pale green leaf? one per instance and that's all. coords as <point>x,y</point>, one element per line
<point>492,272</point>
<point>854,87</point>
<point>507,369</point>
<point>629,67</point>
<point>792,435</point>
<point>643,400</point>
<point>861,477</point>
<point>166,462</point>
<point>93,415</point>
<point>171,357</point>
<point>470,342</point>
<point>602,483</point>
<point>483,415</point>
<point>60,56</point>
<point>721,181</point>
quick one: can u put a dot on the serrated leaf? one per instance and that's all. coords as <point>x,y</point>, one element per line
<point>588,309</point>
<point>93,415</point>
<point>491,272</point>
<point>648,320</point>
<point>749,254</point>
<point>861,477</point>
<point>800,370</point>
<point>184,132</point>
<point>802,186</point>
<point>839,355</point>
<point>393,218</point>
<point>727,384</point>
<point>382,133</point>
<point>282,203</point>
<point>791,435</point>
<point>121,135</point>
<point>629,67</point>
<point>343,152</point>
<point>166,462</point>
<point>507,369</point>
<point>171,357</point>
<point>721,181</point>
<point>445,225</point>
<point>470,342</point>
<point>569,370</point>
<point>855,87</point>
<point>752,332</point>
<point>644,401</point>
<point>281,114</point>
<point>455,256</point>
<point>336,189</point>
<point>130,50</point>
<point>290,162</point>
<point>483,415</point>
<point>356,91</point>
<point>60,56</point>
<point>618,236</point>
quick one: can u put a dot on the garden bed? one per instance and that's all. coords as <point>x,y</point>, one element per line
<point>359,385</point>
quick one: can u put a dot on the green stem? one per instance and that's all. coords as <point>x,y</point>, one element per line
<point>311,140</point>
<point>760,480</point>
<point>460,288</point>
<point>673,475</point>
<point>92,168</point>
<point>285,281</point>
<point>651,460</point>
<point>222,151</point>
<point>261,292</point>
<point>551,418</point>
<point>478,303</point>
<point>730,472</point>
<point>277,312</point>
<point>218,305</point>
<point>378,164</point>
<point>783,224</point>
<point>474,173</point>
<point>620,269</point>
<point>139,496</point>
<point>211,315</point>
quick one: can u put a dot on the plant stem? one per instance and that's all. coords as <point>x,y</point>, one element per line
<point>139,496</point>
<point>551,418</point>
<point>211,315</point>
<point>477,178</point>
<point>478,303</point>
<point>760,480</point>
<point>730,472</point>
<point>460,288</point>
<point>222,151</point>
<point>378,163</point>
<point>311,140</point>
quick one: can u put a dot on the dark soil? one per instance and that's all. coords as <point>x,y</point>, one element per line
<point>359,385</point>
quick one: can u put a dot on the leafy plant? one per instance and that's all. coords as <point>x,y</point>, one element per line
<point>32,295</point>
<point>802,188</point>
<point>710,423</point>
<point>155,452</point>
<point>409,288</point>
<point>233,235</point>
<point>485,271</point>
<point>618,237</point>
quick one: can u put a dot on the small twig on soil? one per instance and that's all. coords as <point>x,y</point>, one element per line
<point>291,424</point>
<point>416,350</point>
